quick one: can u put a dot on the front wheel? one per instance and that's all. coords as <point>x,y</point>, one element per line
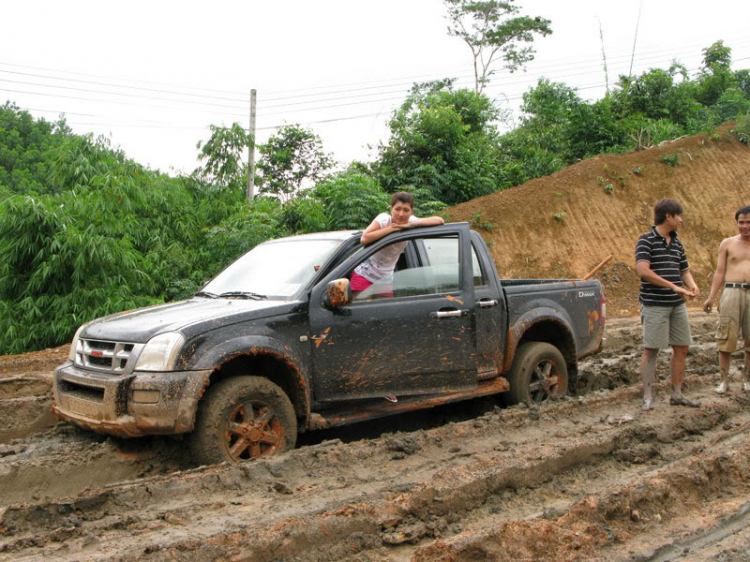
<point>538,372</point>
<point>243,418</point>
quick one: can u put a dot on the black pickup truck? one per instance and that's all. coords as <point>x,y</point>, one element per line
<point>277,344</point>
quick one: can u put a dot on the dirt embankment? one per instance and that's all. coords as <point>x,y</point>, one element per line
<point>711,179</point>
<point>585,478</point>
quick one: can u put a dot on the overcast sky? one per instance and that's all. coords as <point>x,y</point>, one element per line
<point>152,75</point>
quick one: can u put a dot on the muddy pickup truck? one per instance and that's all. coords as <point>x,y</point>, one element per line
<point>277,344</point>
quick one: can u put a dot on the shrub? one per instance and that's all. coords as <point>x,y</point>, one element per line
<point>742,130</point>
<point>671,160</point>
<point>477,222</point>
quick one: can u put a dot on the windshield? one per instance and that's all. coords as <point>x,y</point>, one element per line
<point>275,269</point>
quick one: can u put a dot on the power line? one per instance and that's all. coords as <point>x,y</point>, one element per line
<point>113,93</point>
<point>642,59</point>
<point>118,85</point>
<point>388,84</point>
<point>505,84</point>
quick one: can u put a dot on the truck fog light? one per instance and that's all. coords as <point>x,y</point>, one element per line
<point>146,396</point>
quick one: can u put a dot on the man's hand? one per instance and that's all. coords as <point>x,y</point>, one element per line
<point>685,293</point>
<point>708,306</point>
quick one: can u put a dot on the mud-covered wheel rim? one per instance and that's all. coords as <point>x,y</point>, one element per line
<point>252,431</point>
<point>538,373</point>
<point>543,383</point>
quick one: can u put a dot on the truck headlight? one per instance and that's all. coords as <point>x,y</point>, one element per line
<point>74,346</point>
<point>160,353</point>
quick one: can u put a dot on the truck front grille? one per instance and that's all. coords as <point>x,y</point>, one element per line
<point>105,355</point>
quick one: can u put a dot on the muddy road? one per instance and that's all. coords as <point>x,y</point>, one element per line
<point>590,477</point>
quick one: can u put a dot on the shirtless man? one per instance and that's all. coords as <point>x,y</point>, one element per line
<point>733,273</point>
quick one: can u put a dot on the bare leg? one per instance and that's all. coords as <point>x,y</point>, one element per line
<point>724,361</point>
<point>648,369</point>
<point>679,354</point>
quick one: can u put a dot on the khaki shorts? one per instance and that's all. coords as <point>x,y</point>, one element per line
<point>734,317</point>
<point>665,325</point>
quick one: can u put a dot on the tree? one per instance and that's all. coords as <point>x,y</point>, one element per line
<point>290,159</point>
<point>716,76</point>
<point>24,147</point>
<point>742,77</point>
<point>493,31</point>
<point>441,140</point>
<point>223,154</point>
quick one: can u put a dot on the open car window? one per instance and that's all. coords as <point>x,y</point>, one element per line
<point>441,273</point>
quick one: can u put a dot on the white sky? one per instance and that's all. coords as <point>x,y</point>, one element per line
<point>153,74</point>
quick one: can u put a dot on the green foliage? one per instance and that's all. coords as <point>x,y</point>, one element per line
<point>351,200</point>
<point>443,141</point>
<point>493,31</point>
<point>477,222</point>
<point>223,153</point>
<point>609,188</point>
<point>742,79</point>
<point>24,148</point>
<point>560,216</point>
<point>716,75</point>
<point>292,157</point>
<point>671,160</point>
<point>109,235</point>
<point>732,103</point>
<point>304,214</point>
<point>742,130</point>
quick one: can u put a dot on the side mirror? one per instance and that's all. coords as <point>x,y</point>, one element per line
<point>338,293</point>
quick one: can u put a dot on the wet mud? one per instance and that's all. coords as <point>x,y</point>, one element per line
<point>586,477</point>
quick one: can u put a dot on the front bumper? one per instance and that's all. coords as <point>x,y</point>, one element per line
<point>131,405</point>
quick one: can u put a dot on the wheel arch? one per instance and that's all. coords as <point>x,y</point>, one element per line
<point>262,357</point>
<point>545,325</point>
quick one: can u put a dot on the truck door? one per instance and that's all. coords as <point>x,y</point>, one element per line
<point>490,314</point>
<point>410,334</point>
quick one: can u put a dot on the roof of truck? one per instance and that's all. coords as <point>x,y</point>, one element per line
<point>340,235</point>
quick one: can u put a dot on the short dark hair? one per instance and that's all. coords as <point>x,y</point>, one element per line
<point>666,207</point>
<point>742,211</point>
<point>403,197</point>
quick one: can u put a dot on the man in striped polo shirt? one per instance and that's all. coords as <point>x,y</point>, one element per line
<point>666,283</point>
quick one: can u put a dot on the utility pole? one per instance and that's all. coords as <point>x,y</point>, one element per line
<point>251,151</point>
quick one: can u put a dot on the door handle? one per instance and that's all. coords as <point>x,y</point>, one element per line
<point>452,313</point>
<point>487,303</point>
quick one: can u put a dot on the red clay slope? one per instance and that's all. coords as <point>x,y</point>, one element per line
<point>563,225</point>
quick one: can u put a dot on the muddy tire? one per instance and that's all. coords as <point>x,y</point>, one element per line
<point>538,372</point>
<point>243,418</point>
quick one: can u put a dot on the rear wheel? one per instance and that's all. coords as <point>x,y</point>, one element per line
<point>538,373</point>
<point>243,418</point>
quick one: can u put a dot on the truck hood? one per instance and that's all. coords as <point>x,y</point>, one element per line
<point>139,326</point>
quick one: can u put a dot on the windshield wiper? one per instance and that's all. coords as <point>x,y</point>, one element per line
<point>206,294</point>
<point>242,295</point>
